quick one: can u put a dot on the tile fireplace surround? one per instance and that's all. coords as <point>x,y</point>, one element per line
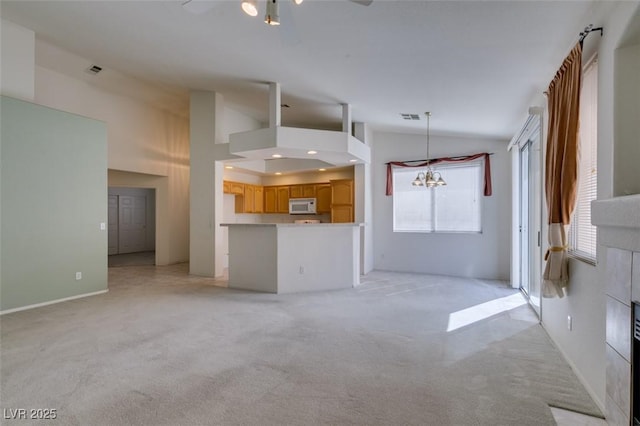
<point>618,222</point>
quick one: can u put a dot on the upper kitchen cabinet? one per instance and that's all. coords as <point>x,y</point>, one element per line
<point>342,191</point>
<point>302,191</point>
<point>309,191</point>
<point>276,199</point>
<point>342,201</point>
<point>270,199</point>
<point>283,199</point>
<point>249,198</point>
<point>323,196</point>
<point>295,191</point>
<point>236,188</point>
<point>258,197</point>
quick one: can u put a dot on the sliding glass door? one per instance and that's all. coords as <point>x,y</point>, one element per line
<point>530,218</point>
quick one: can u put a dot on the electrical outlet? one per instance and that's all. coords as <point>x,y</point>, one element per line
<point>569,323</point>
<point>78,275</point>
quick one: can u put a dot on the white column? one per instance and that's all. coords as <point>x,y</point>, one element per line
<point>274,105</point>
<point>205,187</point>
<point>346,118</point>
<point>364,202</point>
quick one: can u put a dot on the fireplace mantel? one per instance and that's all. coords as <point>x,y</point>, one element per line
<point>618,222</point>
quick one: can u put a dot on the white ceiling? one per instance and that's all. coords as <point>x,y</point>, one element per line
<point>477,65</point>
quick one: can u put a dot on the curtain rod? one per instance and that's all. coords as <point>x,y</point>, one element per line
<point>588,30</point>
<point>433,159</point>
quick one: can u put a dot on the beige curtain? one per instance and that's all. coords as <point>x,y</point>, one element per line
<point>561,180</point>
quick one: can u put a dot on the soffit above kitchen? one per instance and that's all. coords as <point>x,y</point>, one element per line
<point>279,149</point>
<point>287,149</point>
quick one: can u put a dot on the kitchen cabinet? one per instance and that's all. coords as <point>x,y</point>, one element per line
<point>249,198</point>
<point>236,188</point>
<point>302,191</point>
<point>309,191</point>
<point>258,199</point>
<point>283,199</point>
<point>271,199</point>
<point>342,191</point>
<point>295,191</point>
<point>323,196</point>
<point>342,201</point>
<point>342,214</point>
<point>276,199</point>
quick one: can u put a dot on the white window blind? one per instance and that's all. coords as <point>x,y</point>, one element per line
<point>582,235</point>
<point>451,208</point>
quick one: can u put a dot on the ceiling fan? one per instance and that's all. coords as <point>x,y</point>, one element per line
<point>250,7</point>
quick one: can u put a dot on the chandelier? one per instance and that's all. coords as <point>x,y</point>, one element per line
<point>428,178</point>
<point>272,17</point>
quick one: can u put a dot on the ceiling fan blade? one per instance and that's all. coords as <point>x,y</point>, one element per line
<point>199,7</point>
<point>362,2</point>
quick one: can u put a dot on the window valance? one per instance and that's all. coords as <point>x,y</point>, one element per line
<point>460,159</point>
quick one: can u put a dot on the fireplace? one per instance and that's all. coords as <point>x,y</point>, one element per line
<point>618,224</point>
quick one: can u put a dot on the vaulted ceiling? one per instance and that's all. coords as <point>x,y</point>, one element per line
<point>477,65</point>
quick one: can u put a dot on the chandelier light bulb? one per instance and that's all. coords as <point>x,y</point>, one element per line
<point>250,7</point>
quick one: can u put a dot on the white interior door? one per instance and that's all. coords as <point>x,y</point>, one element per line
<point>113,224</point>
<point>132,223</point>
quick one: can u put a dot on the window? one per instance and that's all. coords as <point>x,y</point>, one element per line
<point>582,235</point>
<point>451,208</point>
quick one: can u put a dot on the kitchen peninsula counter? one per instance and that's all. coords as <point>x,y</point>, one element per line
<point>291,257</point>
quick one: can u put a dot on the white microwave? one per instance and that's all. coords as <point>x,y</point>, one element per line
<point>302,206</point>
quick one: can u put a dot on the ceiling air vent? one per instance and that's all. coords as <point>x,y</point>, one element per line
<point>410,116</point>
<point>94,69</point>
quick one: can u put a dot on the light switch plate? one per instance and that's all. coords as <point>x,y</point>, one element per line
<point>103,226</point>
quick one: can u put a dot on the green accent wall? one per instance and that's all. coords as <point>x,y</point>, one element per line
<point>53,183</point>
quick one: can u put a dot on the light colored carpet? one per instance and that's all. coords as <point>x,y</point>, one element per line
<point>164,348</point>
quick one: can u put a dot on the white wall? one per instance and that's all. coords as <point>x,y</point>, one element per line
<point>17,62</point>
<point>309,177</point>
<point>54,199</point>
<point>142,139</point>
<point>485,255</point>
<point>627,93</point>
<point>584,345</point>
<point>235,122</point>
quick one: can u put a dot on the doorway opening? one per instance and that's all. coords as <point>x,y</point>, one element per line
<point>132,226</point>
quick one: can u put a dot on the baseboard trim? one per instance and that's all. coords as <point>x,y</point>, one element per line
<point>52,302</point>
<point>579,375</point>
